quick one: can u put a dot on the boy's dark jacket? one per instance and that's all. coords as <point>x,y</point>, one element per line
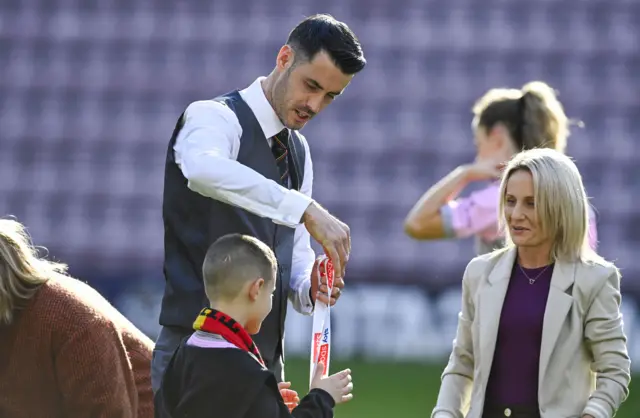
<point>228,383</point>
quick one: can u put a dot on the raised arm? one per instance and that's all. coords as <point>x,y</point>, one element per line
<point>437,215</point>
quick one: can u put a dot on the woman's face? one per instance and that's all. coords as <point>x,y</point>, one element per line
<point>494,144</point>
<point>520,211</point>
<point>484,148</point>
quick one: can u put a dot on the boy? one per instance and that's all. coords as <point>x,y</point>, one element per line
<point>218,370</point>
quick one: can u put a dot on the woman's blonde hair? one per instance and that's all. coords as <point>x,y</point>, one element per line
<point>561,203</point>
<point>22,271</point>
<point>533,115</point>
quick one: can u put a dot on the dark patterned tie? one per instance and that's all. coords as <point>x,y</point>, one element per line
<point>280,152</point>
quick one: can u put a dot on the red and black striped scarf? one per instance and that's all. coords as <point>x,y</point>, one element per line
<point>216,322</point>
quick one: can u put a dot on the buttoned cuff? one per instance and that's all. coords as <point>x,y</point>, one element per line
<point>293,207</point>
<point>306,303</point>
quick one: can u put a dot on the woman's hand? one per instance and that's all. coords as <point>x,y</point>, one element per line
<point>484,170</point>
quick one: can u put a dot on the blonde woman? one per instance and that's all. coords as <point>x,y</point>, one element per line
<point>540,331</point>
<point>64,350</point>
<point>505,121</point>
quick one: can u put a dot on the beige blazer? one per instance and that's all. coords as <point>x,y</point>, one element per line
<point>584,364</point>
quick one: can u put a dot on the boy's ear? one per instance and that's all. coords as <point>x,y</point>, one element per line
<point>255,288</point>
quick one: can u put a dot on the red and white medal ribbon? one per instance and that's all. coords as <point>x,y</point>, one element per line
<point>321,331</point>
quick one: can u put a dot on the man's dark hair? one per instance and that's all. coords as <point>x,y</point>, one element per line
<point>234,259</point>
<point>322,32</point>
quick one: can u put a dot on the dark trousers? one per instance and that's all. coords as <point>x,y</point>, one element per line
<point>168,341</point>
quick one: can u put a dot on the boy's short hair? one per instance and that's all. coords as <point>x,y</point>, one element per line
<point>233,260</point>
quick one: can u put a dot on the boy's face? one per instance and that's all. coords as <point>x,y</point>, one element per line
<point>261,296</point>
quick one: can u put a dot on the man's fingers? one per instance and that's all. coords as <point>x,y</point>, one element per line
<point>335,292</point>
<point>346,242</point>
<point>335,257</point>
<point>325,290</point>
<point>322,297</point>
<point>338,282</point>
<point>342,253</point>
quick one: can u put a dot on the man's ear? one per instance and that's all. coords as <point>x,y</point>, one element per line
<point>285,58</point>
<point>255,288</point>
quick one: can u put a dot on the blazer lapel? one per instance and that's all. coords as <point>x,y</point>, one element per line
<point>558,305</point>
<point>490,303</point>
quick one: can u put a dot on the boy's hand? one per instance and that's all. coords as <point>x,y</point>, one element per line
<point>290,396</point>
<point>338,385</point>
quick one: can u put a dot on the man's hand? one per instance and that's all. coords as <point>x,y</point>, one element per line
<point>290,396</point>
<point>319,288</point>
<point>331,233</point>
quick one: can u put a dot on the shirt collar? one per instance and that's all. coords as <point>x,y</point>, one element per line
<point>254,97</point>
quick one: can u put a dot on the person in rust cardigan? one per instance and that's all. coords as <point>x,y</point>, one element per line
<point>64,350</point>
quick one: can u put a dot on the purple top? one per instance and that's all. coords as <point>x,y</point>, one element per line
<point>477,215</point>
<point>514,371</point>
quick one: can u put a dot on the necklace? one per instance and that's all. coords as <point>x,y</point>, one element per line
<point>532,281</point>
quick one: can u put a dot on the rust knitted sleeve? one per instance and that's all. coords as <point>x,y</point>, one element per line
<point>93,371</point>
<point>140,349</point>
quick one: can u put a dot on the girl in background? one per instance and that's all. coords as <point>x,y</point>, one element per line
<point>505,122</point>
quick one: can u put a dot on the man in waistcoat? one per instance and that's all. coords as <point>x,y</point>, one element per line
<point>237,164</point>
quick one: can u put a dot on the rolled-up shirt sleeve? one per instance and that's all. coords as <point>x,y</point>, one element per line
<point>206,151</point>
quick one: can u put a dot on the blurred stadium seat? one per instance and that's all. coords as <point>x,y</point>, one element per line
<point>90,92</point>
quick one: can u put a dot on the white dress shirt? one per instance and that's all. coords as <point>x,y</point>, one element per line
<point>206,150</point>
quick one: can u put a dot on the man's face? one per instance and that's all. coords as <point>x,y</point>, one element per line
<point>303,88</point>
